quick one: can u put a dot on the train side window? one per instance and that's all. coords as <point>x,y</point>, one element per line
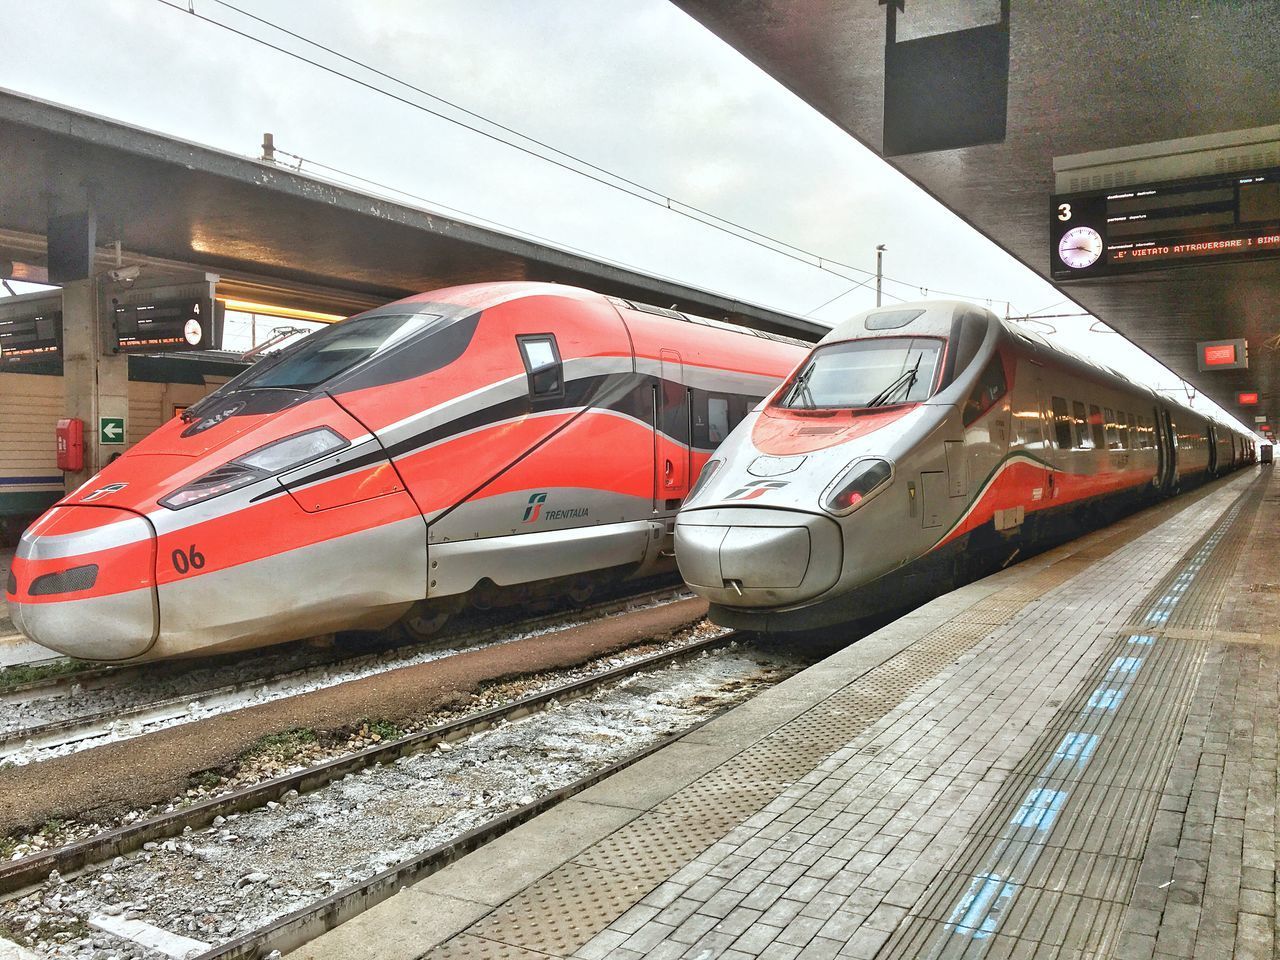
<point>1061,423</point>
<point>1083,440</point>
<point>542,364</point>
<point>713,418</point>
<point>1113,438</point>
<point>1096,427</point>
<point>1134,439</point>
<point>717,419</point>
<point>991,386</point>
<point>1122,436</point>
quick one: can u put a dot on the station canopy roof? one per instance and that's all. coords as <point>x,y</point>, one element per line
<point>272,234</point>
<point>1084,76</point>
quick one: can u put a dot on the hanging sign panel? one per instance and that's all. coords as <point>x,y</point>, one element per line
<point>1222,355</point>
<point>1156,226</point>
<point>166,318</point>
<point>30,328</point>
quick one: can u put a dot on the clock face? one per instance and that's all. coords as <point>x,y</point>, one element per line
<point>192,331</point>
<point>1080,247</point>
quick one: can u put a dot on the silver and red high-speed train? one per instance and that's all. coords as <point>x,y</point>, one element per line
<point>916,446</point>
<point>501,435</point>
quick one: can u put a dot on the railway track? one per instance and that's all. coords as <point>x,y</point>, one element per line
<point>115,722</point>
<point>291,929</point>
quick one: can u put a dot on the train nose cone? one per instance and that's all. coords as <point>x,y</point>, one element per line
<point>756,557</point>
<point>83,583</point>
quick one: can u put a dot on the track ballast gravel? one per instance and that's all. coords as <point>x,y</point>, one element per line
<point>106,781</point>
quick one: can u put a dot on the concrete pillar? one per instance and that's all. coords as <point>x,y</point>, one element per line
<point>95,385</point>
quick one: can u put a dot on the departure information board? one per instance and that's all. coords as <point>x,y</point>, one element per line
<point>168,324</point>
<point>1154,227</point>
<point>30,329</point>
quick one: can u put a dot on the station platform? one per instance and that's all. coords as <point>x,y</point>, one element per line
<point>1075,758</point>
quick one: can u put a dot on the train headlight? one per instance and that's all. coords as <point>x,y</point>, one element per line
<point>266,461</point>
<point>859,482</point>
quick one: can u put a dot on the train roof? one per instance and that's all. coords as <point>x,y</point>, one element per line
<point>934,318</point>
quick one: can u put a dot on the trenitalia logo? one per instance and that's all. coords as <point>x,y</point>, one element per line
<point>755,489</point>
<point>534,508</point>
<point>103,491</point>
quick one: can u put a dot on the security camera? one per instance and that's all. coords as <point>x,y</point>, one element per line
<point>125,274</point>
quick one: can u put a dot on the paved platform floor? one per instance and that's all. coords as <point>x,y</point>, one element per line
<point>1075,758</point>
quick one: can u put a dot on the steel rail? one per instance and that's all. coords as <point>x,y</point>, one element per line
<point>19,874</point>
<point>91,726</point>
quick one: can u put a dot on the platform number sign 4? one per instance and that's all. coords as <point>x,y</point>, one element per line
<point>111,430</point>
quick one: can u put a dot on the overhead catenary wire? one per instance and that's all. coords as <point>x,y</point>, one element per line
<point>497,224</point>
<point>593,172</point>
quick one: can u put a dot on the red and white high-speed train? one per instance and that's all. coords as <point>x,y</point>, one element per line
<point>498,435</point>
<point>916,446</point>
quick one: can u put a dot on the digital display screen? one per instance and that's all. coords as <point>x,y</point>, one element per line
<point>1122,230</point>
<point>30,332</point>
<point>1223,355</point>
<point>1247,399</point>
<point>188,323</point>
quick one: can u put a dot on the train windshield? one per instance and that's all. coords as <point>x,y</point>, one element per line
<point>333,350</point>
<point>872,372</point>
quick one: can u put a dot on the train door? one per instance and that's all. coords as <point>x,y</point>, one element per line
<point>1042,489</point>
<point>1167,451</point>
<point>671,436</point>
<point>1213,450</point>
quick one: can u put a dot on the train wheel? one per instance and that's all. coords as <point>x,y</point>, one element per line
<point>422,622</point>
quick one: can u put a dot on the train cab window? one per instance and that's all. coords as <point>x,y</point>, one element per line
<point>331,351</point>
<point>1096,428</point>
<point>990,387</point>
<point>542,364</point>
<point>871,372</point>
<point>1061,423</point>
<point>1081,423</point>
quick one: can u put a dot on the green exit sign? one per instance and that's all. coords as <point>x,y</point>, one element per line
<point>111,430</point>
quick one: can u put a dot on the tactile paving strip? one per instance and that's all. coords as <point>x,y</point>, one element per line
<point>478,948</point>
<point>1064,838</point>
<point>565,909</point>
<point>559,913</point>
<point>1210,562</point>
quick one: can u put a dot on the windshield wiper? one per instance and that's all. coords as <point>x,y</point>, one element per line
<point>800,393</point>
<point>907,379</point>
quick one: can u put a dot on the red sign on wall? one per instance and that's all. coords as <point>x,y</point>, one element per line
<point>1223,355</point>
<point>1220,356</point>
<point>1247,399</point>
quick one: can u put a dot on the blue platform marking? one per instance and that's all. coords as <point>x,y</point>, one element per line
<point>1076,748</point>
<point>1040,809</point>
<point>1124,665</point>
<point>1105,698</point>
<point>979,910</point>
<point>1145,639</point>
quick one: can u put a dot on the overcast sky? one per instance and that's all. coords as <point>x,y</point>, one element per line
<point>632,86</point>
